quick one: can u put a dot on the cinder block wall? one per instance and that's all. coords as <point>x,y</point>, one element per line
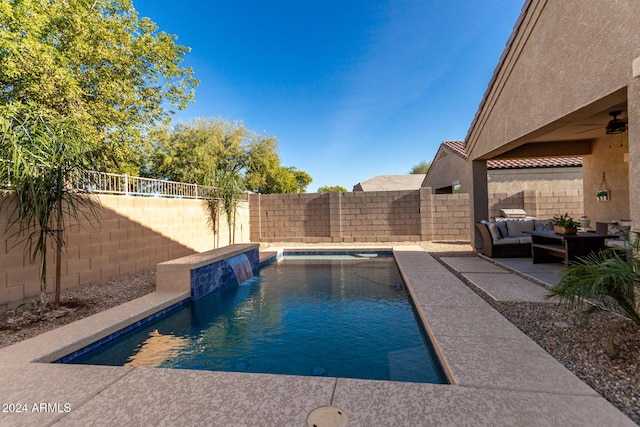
<point>550,203</point>
<point>376,216</point>
<point>290,217</point>
<point>380,215</point>
<point>134,234</point>
<point>451,213</point>
<point>540,204</point>
<point>386,216</point>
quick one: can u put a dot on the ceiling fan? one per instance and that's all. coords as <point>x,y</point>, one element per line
<point>614,126</point>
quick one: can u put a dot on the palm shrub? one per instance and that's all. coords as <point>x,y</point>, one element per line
<point>608,279</point>
<point>229,188</point>
<point>213,206</point>
<point>42,156</point>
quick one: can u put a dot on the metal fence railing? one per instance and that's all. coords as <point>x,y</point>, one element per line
<point>111,183</point>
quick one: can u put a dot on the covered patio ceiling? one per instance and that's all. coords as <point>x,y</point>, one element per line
<point>571,135</point>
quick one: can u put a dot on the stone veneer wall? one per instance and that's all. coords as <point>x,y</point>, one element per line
<point>135,234</point>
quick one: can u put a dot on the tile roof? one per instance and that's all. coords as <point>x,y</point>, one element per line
<point>458,147</point>
<point>551,162</point>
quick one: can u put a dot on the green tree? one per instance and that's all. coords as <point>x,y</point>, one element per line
<point>96,61</point>
<point>330,188</point>
<point>421,168</point>
<point>42,157</point>
<point>195,151</point>
<point>282,179</point>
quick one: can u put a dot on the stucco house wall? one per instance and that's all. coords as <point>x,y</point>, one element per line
<point>567,65</point>
<point>447,169</point>
<point>554,67</point>
<point>609,160</point>
<point>539,179</point>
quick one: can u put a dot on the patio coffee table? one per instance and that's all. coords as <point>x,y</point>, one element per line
<point>548,246</point>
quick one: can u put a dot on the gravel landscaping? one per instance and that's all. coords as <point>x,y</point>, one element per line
<point>26,321</point>
<point>602,349</point>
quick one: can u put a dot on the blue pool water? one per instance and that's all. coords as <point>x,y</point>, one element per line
<point>338,316</point>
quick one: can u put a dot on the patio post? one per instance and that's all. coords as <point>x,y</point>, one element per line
<point>479,202</point>
<point>633,110</point>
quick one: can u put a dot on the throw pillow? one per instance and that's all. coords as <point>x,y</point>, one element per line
<point>544,225</point>
<point>516,228</point>
<point>493,229</point>
<point>616,229</point>
<point>502,228</point>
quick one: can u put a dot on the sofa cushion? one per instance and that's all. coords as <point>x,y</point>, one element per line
<point>502,228</point>
<point>615,243</point>
<point>507,241</point>
<point>525,240</point>
<point>544,224</point>
<point>516,228</point>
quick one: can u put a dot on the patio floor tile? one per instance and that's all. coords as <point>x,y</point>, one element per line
<point>458,320</point>
<point>36,383</point>
<point>374,403</point>
<point>472,265</point>
<point>510,364</point>
<point>508,287</point>
<point>182,397</point>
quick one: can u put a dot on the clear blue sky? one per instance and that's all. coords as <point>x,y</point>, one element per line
<point>351,88</point>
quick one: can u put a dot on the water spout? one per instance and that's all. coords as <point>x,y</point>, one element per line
<point>241,268</point>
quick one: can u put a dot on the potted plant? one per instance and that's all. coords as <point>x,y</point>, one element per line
<point>602,195</point>
<point>564,224</point>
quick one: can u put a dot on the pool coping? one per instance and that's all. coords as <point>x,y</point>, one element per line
<point>504,366</point>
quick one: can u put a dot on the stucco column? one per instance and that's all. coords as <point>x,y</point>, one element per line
<point>479,195</point>
<point>633,110</point>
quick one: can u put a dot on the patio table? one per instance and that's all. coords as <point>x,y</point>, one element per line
<point>549,246</point>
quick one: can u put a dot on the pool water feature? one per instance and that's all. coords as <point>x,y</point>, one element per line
<point>338,316</point>
<point>241,268</point>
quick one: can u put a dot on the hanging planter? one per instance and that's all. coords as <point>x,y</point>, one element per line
<point>603,194</point>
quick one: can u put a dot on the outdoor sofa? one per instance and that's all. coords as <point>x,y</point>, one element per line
<point>619,230</point>
<point>506,238</point>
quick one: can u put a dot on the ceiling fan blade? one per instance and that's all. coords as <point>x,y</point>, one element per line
<point>588,130</point>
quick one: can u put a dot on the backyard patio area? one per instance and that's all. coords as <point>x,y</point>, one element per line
<point>499,375</point>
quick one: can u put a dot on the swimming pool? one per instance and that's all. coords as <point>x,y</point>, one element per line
<point>338,315</point>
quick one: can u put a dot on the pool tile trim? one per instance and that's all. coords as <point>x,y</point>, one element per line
<point>106,340</point>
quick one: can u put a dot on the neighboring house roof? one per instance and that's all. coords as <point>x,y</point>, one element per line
<point>391,183</point>
<point>555,162</point>
<point>458,147</point>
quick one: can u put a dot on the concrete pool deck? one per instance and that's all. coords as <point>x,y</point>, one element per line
<point>499,376</point>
